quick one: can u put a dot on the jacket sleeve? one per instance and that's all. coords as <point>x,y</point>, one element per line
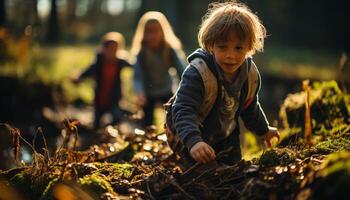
<point>90,71</point>
<point>138,77</point>
<point>178,63</point>
<point>253,115</point>
<point>189,98</point>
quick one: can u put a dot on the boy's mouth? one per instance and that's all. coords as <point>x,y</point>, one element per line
<point>230,64</point>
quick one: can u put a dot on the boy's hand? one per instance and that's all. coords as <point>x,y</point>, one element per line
<point>273,132</point>
<point>202,152</point>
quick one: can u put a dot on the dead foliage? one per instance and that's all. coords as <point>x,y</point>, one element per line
<point>131,163</point>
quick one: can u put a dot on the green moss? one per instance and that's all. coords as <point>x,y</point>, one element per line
<point>40,184</point>
<point>35,187</point>
<point>337,139</point>
<point>250,147</point>
<point>330,145</point>
<point>21,180</point>
<point>290,137</point>
<point>342,130</point>
<point>334,177</point>
<point>336,162</point>
<point>273,157</point>
<point>47,194</point>
<point>117,170</point>
<point>333,145</point>
<point>99,181</point>
<point>96,184</point>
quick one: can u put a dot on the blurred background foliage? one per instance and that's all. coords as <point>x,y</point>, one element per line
<point>52,40</point>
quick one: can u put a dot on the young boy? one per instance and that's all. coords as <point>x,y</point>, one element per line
<point>106,72</point>
<point>229,34</point>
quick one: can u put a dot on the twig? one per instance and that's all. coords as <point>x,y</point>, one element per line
<point>229,179</point>
<point>247,185</point>
<point>191,168</point>
<point>223,152</point>
<point>308,128</point>
<point>46,150</point>
<point>227,196</point>
<point>173,182</point>
<point>199,176</point>
<point>11,129</point>
<point>219,155</point>
<point>149,190</point>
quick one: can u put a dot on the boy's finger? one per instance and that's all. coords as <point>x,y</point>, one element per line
<point>211,152</point>
<point>204,155</point>
<point>209,155</point>
<point>198,157</point>
<point>211,149</point>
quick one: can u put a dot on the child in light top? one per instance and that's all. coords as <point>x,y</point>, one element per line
<point>157,50</point>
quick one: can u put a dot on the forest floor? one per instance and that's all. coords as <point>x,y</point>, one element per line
<point>132,163</point>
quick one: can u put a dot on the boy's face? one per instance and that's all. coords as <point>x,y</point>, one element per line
<point>230,54</point>
<point>109,50</point>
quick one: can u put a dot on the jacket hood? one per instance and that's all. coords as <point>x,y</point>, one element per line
<point>208,58</point>
<point>199,53</point>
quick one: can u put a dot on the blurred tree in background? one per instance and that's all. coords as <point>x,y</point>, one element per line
<point>50,40</point>
<point>53,32</point>
<point>2,13</point>
<point>309,24</point>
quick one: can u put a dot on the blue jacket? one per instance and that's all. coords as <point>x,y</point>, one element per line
<point>220,122</point>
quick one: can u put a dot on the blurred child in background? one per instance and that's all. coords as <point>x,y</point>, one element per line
<point>157,51</point>
<point>106,71</point>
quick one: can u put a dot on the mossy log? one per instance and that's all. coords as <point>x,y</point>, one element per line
<point>329,106</point>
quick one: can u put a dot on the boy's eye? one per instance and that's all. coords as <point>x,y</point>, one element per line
<point>221,46</point>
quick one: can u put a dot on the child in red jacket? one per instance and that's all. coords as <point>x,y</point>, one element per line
<point>106,71</point>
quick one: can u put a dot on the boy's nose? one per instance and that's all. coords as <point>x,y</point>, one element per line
<point>230,55</point>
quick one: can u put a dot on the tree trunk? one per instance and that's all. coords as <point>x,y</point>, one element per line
<point>2,13</point>
<point>71,8</point>
<point>94,13</point>
<point>53,26</point>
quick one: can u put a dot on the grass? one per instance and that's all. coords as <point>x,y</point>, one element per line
<point>299,63</point>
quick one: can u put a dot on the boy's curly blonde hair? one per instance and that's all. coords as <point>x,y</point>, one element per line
<point>224,18</point>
